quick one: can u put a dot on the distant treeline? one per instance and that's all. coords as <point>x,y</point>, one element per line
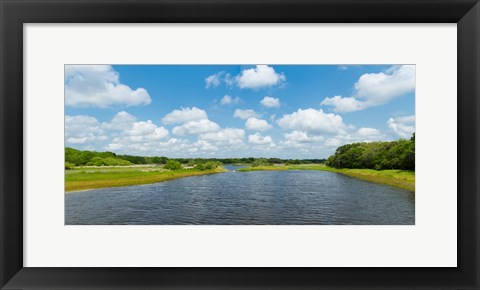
<point>74,157</point>
<point>398,154</point>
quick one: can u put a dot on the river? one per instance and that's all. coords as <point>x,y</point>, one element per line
<point>245,198</point>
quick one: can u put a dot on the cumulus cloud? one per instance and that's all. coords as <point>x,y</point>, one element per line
<point>244,114</point>
<point>121,121</point>
<point>334,142</point>
<point>203,145</point>
<point>312,121</point>
<point>174,147</point>
<point>228,100</point>
<point>227,135</point>
<point>374,89</point>
<point>341,105</point>
<point>81,129</point>
<point>368,132</point>
<point>214,80</point>
<point>125,129</point>
<point>363,134</point>
<point>229,80</point>
<point>302,137</point>
<point>196,127</point>
<point>379,88</point>
<point>184,115</point>
<point>145,131</point>
<point>99,86</point>
<point>191,121</point>
<point>258,139</point>
<point>259,77</point>
<point>402,126</point>
<point>270,102</point>
<point>114,147</point>
<point>254,124</point>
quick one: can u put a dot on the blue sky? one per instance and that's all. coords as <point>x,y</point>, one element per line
<point>286,111</point>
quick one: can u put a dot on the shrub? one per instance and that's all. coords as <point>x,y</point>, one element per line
<point>173,165</point>
<point>69,165</point>
<point>398,154</point>
<point>200,166</point>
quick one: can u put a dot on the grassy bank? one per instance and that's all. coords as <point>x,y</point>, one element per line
<point>399,178</point>
<point>91,177</point>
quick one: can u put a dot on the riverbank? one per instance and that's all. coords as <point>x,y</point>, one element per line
<point>85,178</point>
<point>403,179</point>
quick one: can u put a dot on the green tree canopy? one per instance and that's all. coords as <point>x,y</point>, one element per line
<point>398,154</point>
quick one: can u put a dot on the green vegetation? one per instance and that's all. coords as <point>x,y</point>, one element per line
<point>173,165</point>
<point>81,158</point>
<point>85,157</point>
<point>90,177</point>
<point>404,179</point>
<point>208,165</point>
<point>90,169</point>
<point>398,154</point>
<point>391,163</point>
<point>69,165</point>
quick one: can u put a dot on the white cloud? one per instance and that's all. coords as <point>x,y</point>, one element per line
<point>320,144</point>
<point>202,145</point>
<point>171,147</point>
<point>379,88</point>
<point>227,135</point>
<point>301,137</point>
<point>312,121</point>
<point>334,142</point>
<point>113,146</point>
<point>121,121</point>
<point>259,77</point>
<point>258,139</point>
<point>244,114</point>
<point>81,129</point>
<point>302,140</point>
<point>374,89</point>
<point>196,127</point>
<point>361,135</point>
<point>228,100</point>
<point>368,132</point>
<point>270,102</point>
<point>124,128</point>
<point>142,132</point>
<point>340,104</point>
<point>254,124</point>
<point>229,80</point>
<point>99,86</point>
<point>214,80</point>
<point>402,126</point>
<point>147,130</point>
<point>184,115</point>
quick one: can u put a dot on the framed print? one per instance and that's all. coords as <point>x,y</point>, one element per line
<point>226,144</point>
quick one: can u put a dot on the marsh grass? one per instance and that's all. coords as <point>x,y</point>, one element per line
<point>404,179</point>
<point>100,177</point>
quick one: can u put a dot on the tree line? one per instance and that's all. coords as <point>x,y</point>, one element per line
<point>398,154</point>
<point>74,157</point>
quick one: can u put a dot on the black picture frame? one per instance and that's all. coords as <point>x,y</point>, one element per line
<point>14,13</point>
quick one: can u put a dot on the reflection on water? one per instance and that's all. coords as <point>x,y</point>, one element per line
<point>244,198</point>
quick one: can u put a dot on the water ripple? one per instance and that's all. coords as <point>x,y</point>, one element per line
<point>245,198</point>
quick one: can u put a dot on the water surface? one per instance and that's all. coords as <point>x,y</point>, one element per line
<point>246,198</point>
